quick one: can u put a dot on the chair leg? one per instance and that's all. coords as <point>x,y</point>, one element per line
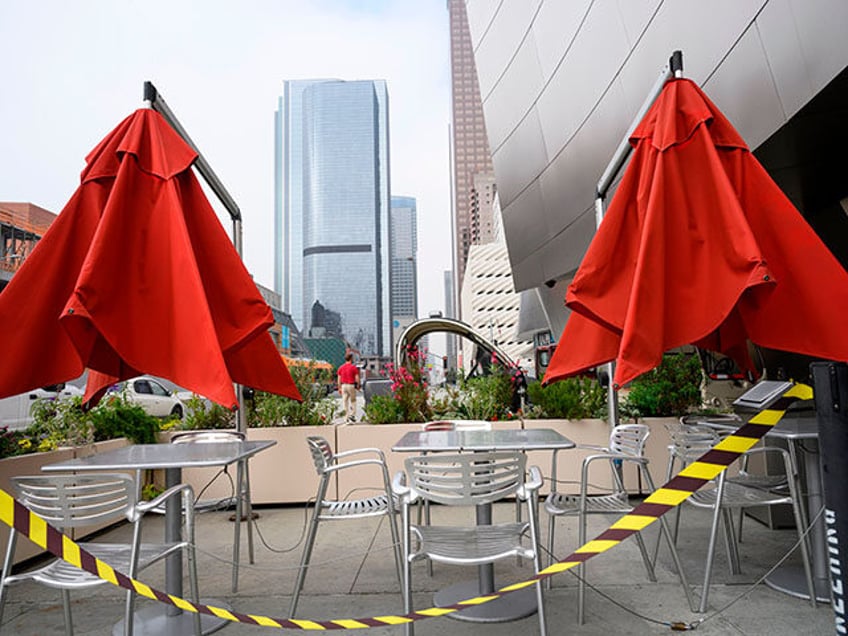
<point>665,531</point>
<point>533,518</point>
<point>191,557</point>
<point>708,566</point>
<point>649,566</point>
<point>307,553</point>
<point>731,542</point>
<point>581,574</point>
<point>249,505</point>
<point>800,520</point>
<point>406,584</point>
<point>7,570</point>
<point>66,610</point>
<point>551,526</point>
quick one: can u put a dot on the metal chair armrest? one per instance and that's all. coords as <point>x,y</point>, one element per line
<point>532,484</point>
<point>356,462</point>
<point>145,506</point>
<point>787,460</point>
<point>357,451</point>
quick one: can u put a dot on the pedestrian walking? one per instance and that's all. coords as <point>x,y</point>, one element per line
<point>348,379</point>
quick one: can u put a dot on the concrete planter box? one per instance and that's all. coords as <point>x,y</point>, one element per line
<point>31,465</point>
<point>382,436</point>
<point>285,473</point>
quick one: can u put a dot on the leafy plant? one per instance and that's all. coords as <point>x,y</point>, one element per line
<point>60,423</point>
<point>571,399</point>
<point>202,414</point>
<point>315,409</point>
<point>671,389</point>
<point>409,392</point>
<point>384,409</point>
<point>116,416</point>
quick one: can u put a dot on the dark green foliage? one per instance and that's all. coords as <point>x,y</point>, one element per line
<point>117,417</point>
<point>203,415</point>
<point>571,399</point>
<point>268,409</point>
<point>384,409</point>
<point>672,389</point>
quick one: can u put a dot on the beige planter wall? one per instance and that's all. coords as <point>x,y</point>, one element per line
<point>569,462</point>
<point>363,481</point>
<point>285,473</point>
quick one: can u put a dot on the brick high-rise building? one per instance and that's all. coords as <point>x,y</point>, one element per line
<point>472,158</point>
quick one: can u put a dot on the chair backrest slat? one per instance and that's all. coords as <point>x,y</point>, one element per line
<point>468,479</point>
<point>629,439</point>
<point>69,501</point>
<point>322,453</point>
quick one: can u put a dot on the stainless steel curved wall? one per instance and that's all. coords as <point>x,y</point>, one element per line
<point>562,80</point>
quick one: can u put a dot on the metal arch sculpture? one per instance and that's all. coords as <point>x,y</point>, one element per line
<point>415,331</point>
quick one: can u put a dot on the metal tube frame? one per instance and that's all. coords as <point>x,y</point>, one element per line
<point>153,99</point>
<point>674,68</point>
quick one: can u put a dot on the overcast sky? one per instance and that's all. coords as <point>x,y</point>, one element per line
<point>70,71</point>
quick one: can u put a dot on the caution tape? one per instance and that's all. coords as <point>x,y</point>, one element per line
<point>669,496</point>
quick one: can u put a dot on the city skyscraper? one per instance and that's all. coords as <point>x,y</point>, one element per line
<point>472,160</point>
<point>332,217</point>
<point>404,249</point>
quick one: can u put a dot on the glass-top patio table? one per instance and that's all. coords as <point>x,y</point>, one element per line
<point>161,619</point>
<point>516,604</point>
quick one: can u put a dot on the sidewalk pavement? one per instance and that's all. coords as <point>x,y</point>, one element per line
<point>352,576</point>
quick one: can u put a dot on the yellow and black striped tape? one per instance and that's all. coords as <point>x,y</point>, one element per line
<point>672,494</point>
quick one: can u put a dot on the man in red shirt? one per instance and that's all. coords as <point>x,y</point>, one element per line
<point>348,384</point>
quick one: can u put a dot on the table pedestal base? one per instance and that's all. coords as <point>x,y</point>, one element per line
<point>153,620</point>
<point>510,607</point>
<point>790,579</point>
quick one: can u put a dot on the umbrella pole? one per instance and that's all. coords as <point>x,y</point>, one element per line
<point>153,99</point>
<point>674,68</point>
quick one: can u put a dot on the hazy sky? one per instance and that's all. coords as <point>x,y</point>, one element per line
<point>70,71</point>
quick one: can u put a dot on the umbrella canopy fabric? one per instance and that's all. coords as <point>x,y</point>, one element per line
<point>137,275</point>
<point>699,246</point>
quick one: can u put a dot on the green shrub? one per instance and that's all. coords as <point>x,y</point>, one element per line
<point>115,416</point>
<point>573,398</point>
<point>60,423</point>
<point>316,409</point>
<point>384,409</point>
<point>671,389</point>
<point>202,415</point>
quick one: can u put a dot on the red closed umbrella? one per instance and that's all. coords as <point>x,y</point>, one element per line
<point>699,246</point>
<point>137,275</point>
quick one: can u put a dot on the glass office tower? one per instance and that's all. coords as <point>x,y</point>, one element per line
<point>404,239</point>
<point>333,210</point>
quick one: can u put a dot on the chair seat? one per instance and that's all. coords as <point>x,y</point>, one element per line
<point>470,546</point>
<point>61,574</point>
<point>764,482</point>
<point>738,496</point>
<point>560,504</point>
<point>354,508</point>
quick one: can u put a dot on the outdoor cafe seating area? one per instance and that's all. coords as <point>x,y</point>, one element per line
<point>353,571</point>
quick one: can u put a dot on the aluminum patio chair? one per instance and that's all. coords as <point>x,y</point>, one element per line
<point>728,493</point>
<point>472,480</point>
<point>327,464</point>
<point>626,446</point>
<point>80,501</point>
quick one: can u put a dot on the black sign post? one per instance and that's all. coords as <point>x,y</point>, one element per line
<point>831,394</point>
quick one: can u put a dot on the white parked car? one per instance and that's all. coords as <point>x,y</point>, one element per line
<point>151,395</point>
<point>16,411</point>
